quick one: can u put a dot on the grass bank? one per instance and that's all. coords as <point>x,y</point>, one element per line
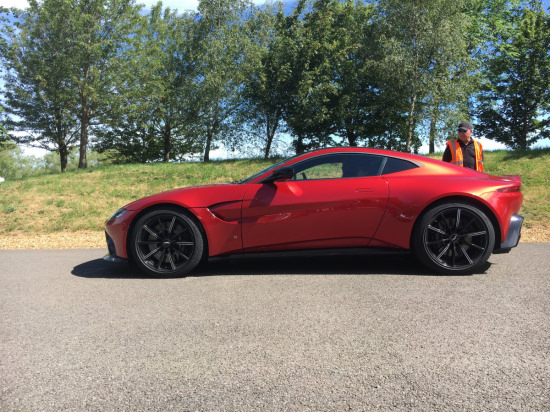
<point>82,200</point>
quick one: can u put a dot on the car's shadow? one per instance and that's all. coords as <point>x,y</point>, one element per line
<point>258,265</point>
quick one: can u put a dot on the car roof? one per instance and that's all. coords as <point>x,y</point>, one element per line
<point>380,152</point>
<point>437,166</point>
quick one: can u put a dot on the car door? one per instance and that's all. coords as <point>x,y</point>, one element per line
<point>334,200</point>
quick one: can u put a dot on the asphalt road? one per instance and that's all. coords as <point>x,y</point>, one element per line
<point>307,333</point>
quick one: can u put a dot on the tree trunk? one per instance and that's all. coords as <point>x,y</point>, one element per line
<point>350,134</point>
<point>271,129</point>
<point>64,156</point>
<point>433,122</point>
<point>524,132</point>
<point>207,148</point>
<point>211,130</point>
<point>269,137</point>
<point>300,147</point>
<point>167,137</point>
<point>352,138</point>
<point>411,123</point>
<point>84,122</point>
<point>268,146</point>
<point>61,140</point>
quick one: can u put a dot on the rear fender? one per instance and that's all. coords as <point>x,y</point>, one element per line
<point>469,201</point>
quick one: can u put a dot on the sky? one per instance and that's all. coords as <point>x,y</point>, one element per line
<point>182,5</point>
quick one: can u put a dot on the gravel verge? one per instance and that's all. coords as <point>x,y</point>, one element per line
<point>56,240</point>
<point>90,239</point>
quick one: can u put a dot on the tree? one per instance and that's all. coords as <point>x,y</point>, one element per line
<point>63,63</point>
<point>351,95</point>
<point>13,162</point>
<point>456,68</point>
<point>425,47</point>
<point>300,63</point>
<point>3,51</point>
<point>99,30</point>
<point>38,97</point>
<point>515,99</point>
<point>153,122</point>
<point>263,100</point>
<point>222,47</point>
<point>457,75</point>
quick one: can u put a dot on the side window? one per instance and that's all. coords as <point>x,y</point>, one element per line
<point>394,165</point>
<point>337,166</point>
<point>329,170</point>
<point>361,165</point>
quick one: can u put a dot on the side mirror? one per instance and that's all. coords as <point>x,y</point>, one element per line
<point>283,173</point>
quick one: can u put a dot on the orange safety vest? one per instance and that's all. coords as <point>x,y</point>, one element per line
<point>458,158</point>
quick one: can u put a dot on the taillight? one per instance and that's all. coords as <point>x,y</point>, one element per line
<point>511,189</point>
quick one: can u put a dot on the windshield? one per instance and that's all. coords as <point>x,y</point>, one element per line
<point>267,169</point>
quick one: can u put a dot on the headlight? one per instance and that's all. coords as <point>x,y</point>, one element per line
<point>117,214</point>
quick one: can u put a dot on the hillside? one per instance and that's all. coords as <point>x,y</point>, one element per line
<point>69,210</point>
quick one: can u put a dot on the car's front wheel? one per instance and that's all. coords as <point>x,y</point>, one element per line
<point>454,238</point>
<point>166,243</point>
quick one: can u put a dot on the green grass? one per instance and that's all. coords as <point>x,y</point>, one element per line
<point>83,200</point>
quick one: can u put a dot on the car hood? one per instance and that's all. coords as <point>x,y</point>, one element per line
<point>196,196</point>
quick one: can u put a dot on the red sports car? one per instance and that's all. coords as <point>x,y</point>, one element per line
<point>451,217</point>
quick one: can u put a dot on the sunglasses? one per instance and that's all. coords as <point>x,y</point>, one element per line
<point>462,130</point>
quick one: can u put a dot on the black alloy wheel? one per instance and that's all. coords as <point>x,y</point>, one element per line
<point>454,238</point>
<point>166,243</point>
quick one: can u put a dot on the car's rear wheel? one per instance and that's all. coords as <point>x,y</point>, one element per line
<point>454,238</point>
<point>166,243</point>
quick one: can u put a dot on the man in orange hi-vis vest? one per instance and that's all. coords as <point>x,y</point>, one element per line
<point>464,151</point>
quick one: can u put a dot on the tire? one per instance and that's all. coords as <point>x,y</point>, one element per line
<point>166,243</point>
<point>454,239</point>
